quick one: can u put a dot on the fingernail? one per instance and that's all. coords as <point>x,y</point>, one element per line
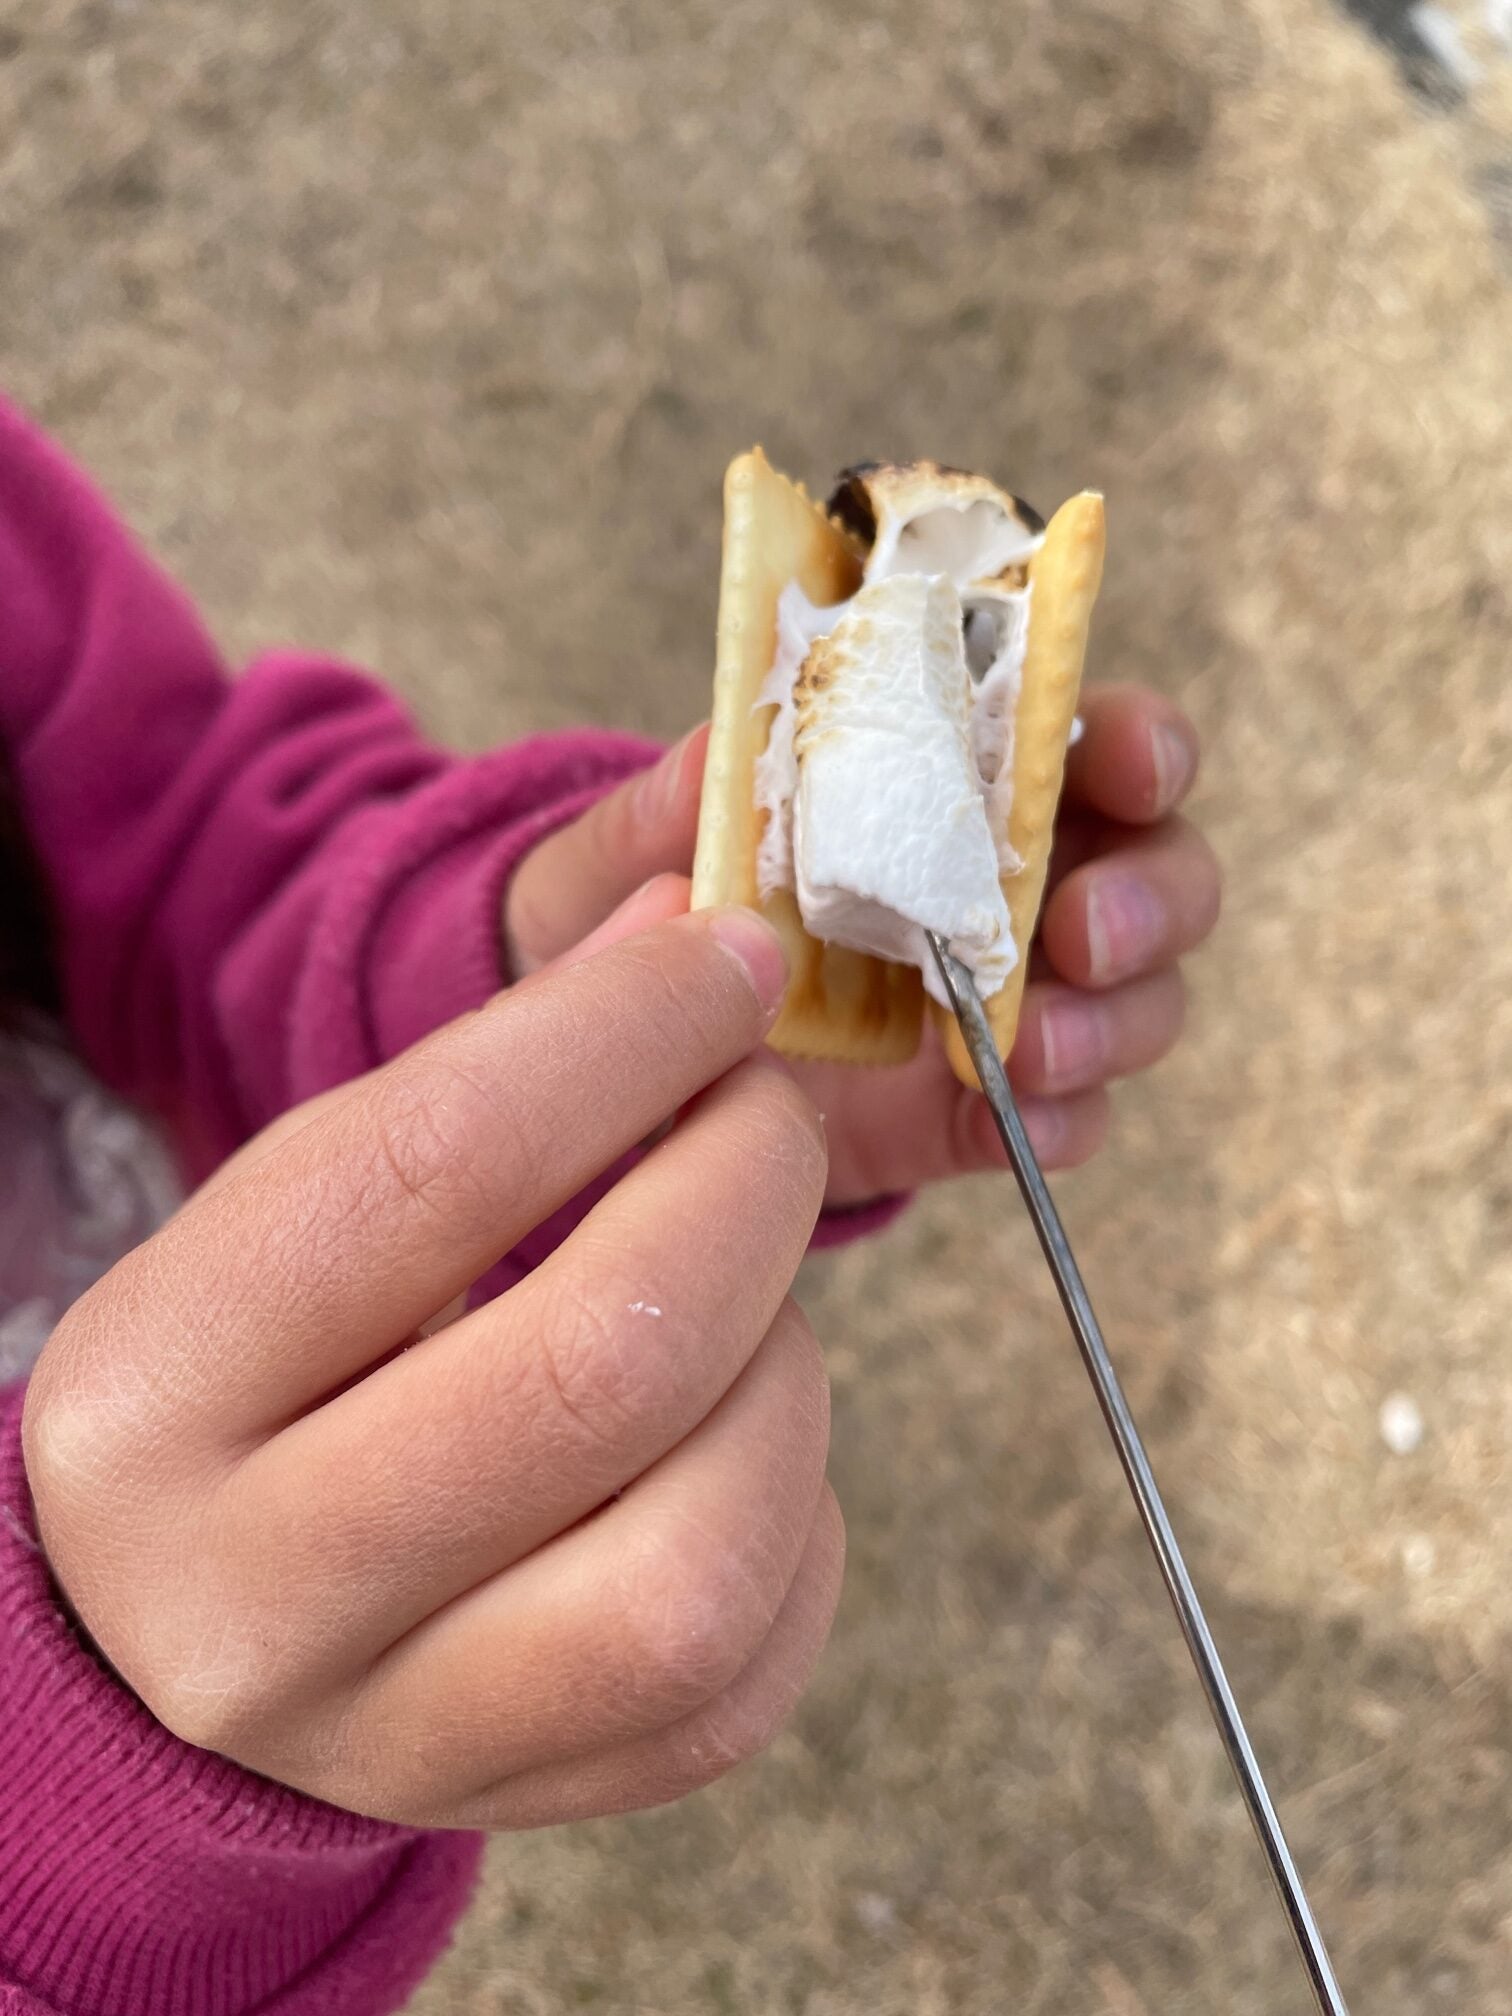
<point>758,948</point>
<point>1074,1038</point>
<point>1175,764</point>
<point>1046,1125</point>
<point>1125,925</point>
<point>658,790</point>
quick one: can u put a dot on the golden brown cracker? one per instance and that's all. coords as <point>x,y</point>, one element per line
<point>840,1005</point>
<point>1065,574</point>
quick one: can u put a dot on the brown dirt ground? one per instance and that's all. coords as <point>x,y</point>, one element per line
<point>423,333</point>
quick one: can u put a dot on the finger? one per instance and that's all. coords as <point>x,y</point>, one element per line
<point>1068,1040</point>
<point>1136,758</point>
<point>1140,907</point>
<point>631,1622</point>
<point>652,1770</point>
<point>528,1414</point>
<point>1079,836</point>
<point>655,902</point>
<point>570,882</point>
<point>304,1269</point>
<point>1064,1133</point>
<point>898,1129</point>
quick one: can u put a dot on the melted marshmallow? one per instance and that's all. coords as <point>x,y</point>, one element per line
<point>890,833</point>
<point>799,623</point>
<point>916,762</point>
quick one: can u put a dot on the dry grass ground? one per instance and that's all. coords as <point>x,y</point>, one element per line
<point>423,332</point>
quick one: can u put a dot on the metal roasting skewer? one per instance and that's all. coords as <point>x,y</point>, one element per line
<point>969,1012</point>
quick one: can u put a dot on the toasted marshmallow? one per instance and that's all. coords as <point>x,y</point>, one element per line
<point>890,833</point>
<point>799,622</point>
<point>996,630</point>
<point>922,518</point>
<point>887,775</point>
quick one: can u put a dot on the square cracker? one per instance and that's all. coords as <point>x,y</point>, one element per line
<point>843,1005</point>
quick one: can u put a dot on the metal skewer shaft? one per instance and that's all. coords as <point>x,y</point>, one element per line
<point>969,1012</point>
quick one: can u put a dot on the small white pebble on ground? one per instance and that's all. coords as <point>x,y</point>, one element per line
<point>644,1309</point>
<point>874,1912</point>
<point>1401,1423</point>
<point>1419,1555</point>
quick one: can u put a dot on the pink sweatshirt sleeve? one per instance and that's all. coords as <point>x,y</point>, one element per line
<point>140,1877</point>
<point>261,887</point>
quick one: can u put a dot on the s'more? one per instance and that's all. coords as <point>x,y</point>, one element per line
<point>895,681</point>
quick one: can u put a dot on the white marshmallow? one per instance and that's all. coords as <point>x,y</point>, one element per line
<point>890,832</point>
<point>887,789</point>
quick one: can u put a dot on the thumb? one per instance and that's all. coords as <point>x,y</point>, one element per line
<point>654,902</point>
<point>569,884</point>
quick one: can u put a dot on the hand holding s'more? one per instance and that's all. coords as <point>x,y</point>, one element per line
<point>822,780</point>
<point>896,679</point>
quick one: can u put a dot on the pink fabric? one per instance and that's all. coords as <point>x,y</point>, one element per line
<point>262,887</point>
<point>140,1875</point>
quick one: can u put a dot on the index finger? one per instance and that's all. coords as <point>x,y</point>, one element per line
<point>274,1290</point>
<point>1136,758</point>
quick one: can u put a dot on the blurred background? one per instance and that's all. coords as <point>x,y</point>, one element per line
<point>423,333</point>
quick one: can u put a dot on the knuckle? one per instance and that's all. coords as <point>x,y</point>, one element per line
<point>689,1618</point>
<point>437,1136</point>
<point>686,1018</point>
<point>194,1710</point>
<point>586,1366</point>
<point>78,1423</point>
<point>423,1158</point>
<point>782,1136</point>
<point>731,1731</point>
<point>55,1435</point>
<point>207,1684</point>
<point>224,1661</point>
<point>807,1379</point>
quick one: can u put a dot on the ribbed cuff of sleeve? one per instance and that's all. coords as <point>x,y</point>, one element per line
<point>142,1877</point>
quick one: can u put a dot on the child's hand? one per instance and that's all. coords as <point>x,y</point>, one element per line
<point>571,1554</point>
<point>1132,888</point>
